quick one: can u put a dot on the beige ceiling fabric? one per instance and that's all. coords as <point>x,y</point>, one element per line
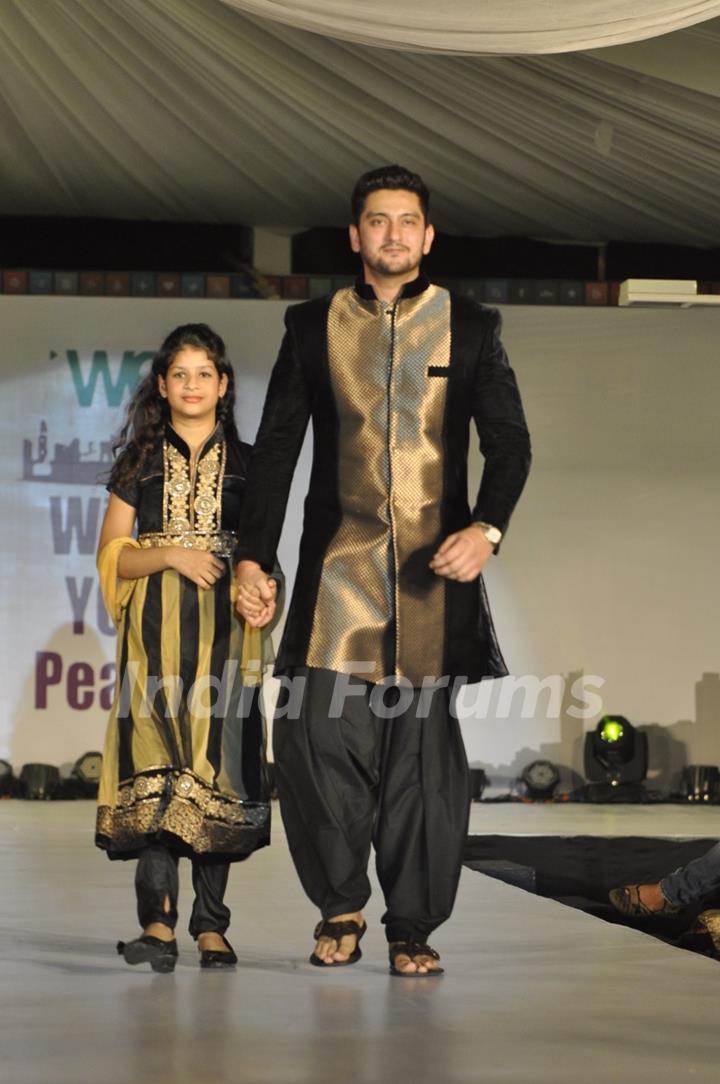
<point>190,110</point>
<point>690,59</point>
<point>492,27</point>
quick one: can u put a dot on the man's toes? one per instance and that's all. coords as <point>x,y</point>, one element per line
<point>404,963</point>
<point>322,949</point>
<point>345,949</point>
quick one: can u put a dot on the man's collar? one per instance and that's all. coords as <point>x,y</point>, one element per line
<point>410,289</point>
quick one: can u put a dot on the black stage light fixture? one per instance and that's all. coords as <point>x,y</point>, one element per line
<point>616,761</point>
<point>540,780</point>
<point>86,775</point>
<point>478,782</point>
<point>8,782</point>
<point>39,782</point>
<point>700,782</point>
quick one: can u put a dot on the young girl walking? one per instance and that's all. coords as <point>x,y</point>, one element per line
<point>183,766</point>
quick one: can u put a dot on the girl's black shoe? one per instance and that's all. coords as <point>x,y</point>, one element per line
<point>216,959</point>
<point>161,955</point>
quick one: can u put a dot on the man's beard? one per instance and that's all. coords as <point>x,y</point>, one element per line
<point>383,267</point>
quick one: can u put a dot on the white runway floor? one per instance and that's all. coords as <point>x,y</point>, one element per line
<point>534,992</point>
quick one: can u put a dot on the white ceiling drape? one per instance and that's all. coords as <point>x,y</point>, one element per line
<point>189,109</point>
<point>506,27</point>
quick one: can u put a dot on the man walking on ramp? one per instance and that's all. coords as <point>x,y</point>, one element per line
<point>389,608</point>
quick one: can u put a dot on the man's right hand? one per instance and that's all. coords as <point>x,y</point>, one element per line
<point>256,595</point>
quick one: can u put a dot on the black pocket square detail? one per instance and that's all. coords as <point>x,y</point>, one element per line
<point>438,370</point>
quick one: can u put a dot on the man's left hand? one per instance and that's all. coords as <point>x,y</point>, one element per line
<point>463,555</point>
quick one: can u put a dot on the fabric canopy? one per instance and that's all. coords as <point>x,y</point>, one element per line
<point>189,109</point>
<point>508,27</point>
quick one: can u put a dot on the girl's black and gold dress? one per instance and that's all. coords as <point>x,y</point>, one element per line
<point>184,758</point>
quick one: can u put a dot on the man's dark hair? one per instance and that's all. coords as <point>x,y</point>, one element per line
<point>394,177</point>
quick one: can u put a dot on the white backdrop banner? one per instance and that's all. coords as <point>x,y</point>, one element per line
<point>608,576</point>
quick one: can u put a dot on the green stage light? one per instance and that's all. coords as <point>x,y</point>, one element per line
<point>612,730</point>
<point>616,761</point>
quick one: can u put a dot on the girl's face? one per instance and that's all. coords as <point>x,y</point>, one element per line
<point>192,385</point>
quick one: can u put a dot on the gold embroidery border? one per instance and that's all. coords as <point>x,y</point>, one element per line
<point>178,802</point>
<point>222,543</point>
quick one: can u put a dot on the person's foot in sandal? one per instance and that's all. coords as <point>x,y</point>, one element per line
<point>642,901</point>
<point>339,946</point>
<point>414,959</point>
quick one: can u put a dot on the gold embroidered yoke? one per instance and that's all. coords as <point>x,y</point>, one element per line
<point>192,503</point>
<point>388,366</point>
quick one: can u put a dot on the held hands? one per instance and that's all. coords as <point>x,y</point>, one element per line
<point>463,555</point>
<point>201,567</point>
<point>257,594</point>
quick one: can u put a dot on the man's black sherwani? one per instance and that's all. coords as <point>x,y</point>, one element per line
<point>391,389</point>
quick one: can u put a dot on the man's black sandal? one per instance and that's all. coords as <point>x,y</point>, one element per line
<point>214,958</point>
<point>413,949</point>
<point>161,955</point>
<point>336,931</point>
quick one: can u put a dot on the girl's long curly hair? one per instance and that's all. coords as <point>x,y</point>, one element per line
<point>147,412</point>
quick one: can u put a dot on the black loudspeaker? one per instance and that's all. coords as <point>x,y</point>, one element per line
<point>39,782</point>
<point>271,779</point>
<point>9,785</point>
<point>478,782</point>
<point>700,782</point>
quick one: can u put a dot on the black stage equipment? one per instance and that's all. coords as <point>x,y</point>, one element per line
<point>478,782</point>
<point>540,780</point>
<point>39,782</point>
<point>700,782</point>
<point>86,775</point>
<point>8,782</point>
<point>616,761</point>
<point>271,777</point>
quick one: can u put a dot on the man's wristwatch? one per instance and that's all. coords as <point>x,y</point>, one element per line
<point>493,534</point>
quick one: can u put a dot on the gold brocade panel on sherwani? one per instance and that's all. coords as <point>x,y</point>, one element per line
<point>379,605</point>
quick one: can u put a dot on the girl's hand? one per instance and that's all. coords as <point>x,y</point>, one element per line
<point>257,594</point>
<point>203,568</point>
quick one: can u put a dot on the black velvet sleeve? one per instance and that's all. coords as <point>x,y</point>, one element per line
<point>500,423</point>
<point>277,446</point>
<point>130,492</point>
